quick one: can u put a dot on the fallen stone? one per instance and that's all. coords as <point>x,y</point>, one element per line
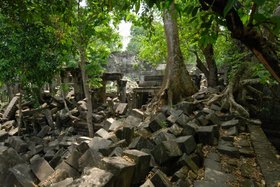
<point>214,156</point>
<point>207,134</point>
<point>100,144</point>
<point>183,183</point>
<point>106,135</point>
<point>73,159</point>
<point>214,119</point>
<point>212,164</point>
<point>186,160</point>
<point>44,131</point>
<point>227,149</point>
<point>232,131</point>
<point>137,113</point>
<point>97,118</point>
<point>82,147</point>
<point>182,173</point>
<point>189,128</point>
<point>121,108</point>
<point>68,169</point>
<point>40,167</point>
<point>142,161</point>
<point>121,168</point>
<point>126,133</point>
<point>107,123</point>
<point>57,158</point>
<point>186,107</point>
<point>203,121</point>
<point>162,135</point>
<point>118,151</point>
<point>48,115</point>
<point>57,175</point>
<point>20,175</point>
<point>158,122</point>
<point>166,151</point>
<point>218,177</point>
<point>206,183</point>
<point>65,182</point>
<point>228,124</point>
<point>175,130</point>
<point>171,119</point>
<point>18,144</point>
<point>11,109</point>
<point>187,144</point>
<point>182,120</point>
<point>148,183</point>
<point>132,121</point>
<point>160,179</point>
<point>94,177</point>
<point>141,143</point>
<point>247,152</point>
<point>115,125</point>
<point>91,158</point>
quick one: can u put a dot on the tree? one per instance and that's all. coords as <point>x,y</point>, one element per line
<point>248,34</point>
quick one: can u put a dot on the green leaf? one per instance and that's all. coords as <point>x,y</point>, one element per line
<point>228,7</point>
<point>259,2</point>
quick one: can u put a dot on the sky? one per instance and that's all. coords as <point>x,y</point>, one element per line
<point>124,31</point>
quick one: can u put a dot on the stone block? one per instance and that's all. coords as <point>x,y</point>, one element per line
<point>212,164</point>
<point>214,119</point>
<point>162,135</point>
<point>166,151</point>
<point>160,179</point>
<point>187,144</point>
<point>206,183</point>
<point>8,158</point>
<point>141,143</point>
<point>182,173</point>
<point>121,168</point>
<point>142,161</point>
<point>203,121</point>
<point>148,183</point>
<point>73,159</point>
<point>126,133</point>
<point>158,122</point>
<point>132,121</point>
<point>20,175</point>
<point>44,131</point>
<point>69,170</point>
<point>227,149</point>
<point>115,125</point>
<point>18,144</point>
<point>186,160</point>
<point>90,158</point>
<point>186,107</point>
<point>171,119</point>
<point>100,144</point>
<point>137,113</point>
<point>118,151</point>
<point>94,177</point>
<point>121,108</point>
<point>231,123</point>
<point>189,128</point>
<point>82,147</point>
<point>232,131</point>
<point>218,177</point>
<point>57,175</point>
<point>182,120</point>
<point>40,167</point>
<point>207,134</point>
<point>106,135</point>
<point>65,182</point>
<point>175,129</point>
<point>57,157</point>
<point>11,109</point>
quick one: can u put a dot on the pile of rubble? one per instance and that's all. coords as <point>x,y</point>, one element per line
<point>172,148</point>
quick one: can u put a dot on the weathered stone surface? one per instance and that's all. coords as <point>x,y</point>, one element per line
<point>11,109</point>
<point>157,122</point>
<point>17,143</point>
<point>166,151</point>
<point>107,123</point>
<point>203,121</point>
<point>228,149</point>
<point>121,108</point>
<point>228,124</point>
<point>189,128</point>
<point>91,158</point>
<point>212,164</point>
<point>187,144</point>
<point>214,119</point>
<point>126,133</point>
<point>214,156</point>
<point>44,131</point>
<point>106,135</point>
<point>142,161</point>
<point>232,131</point>
<point>40,167</point>
<point>118,151</point>
<point>13,131</point>
<point>206,183</point>
<point>247,152</point>
<point>218,177</point>
<point>206,134</point>
<point>160,179</point>
<point>94,177</point>
<point>141,143</point>
<point>57,157</point>
<point>182,120</point>
<point>20,175</point>
<point>132,121</point>
<point>175,130</point>
<point>73,159</point>
<point>137,113</point>
<point>186,160</point>
<point>57,175</point>
<point>148,183</point>
<point>65,182</point>
<point>122,170</point>
<point>115,125</point>
<point>162,135</point>
<point>182,173</point>
<point>82,147</point>
<point>70,170</point>
<point>186,107</point>
<point>100,144</point>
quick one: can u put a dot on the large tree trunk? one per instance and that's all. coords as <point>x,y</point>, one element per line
<point>177,83</point>
<point>86,90</point>
<point>208,53</point>
<point>261,47</point>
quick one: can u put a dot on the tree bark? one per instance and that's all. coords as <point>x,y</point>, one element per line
<point>261,48</point>
<point>86,91</point>
<point>177,83</point>
<point>208,53</point>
